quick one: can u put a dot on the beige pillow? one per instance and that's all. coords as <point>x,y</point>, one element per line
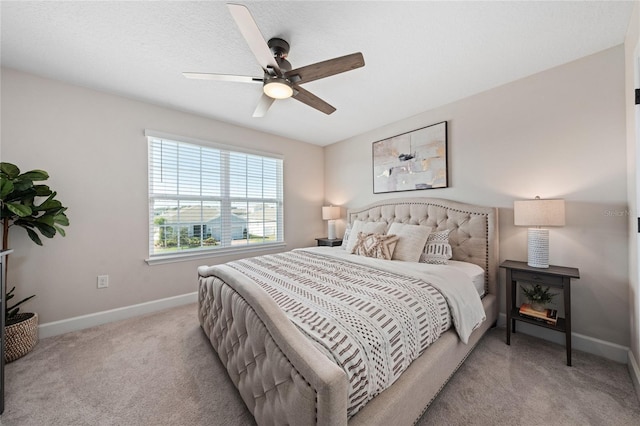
<point>367,228</point>
<point>412,240</point>
<point>375,245</point>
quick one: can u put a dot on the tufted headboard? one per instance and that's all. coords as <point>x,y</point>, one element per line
<point>474,229</point>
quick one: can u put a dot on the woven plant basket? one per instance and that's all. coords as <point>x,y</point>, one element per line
<point>21,336</point>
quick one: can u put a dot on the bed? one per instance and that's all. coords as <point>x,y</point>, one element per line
<point>282,374</point>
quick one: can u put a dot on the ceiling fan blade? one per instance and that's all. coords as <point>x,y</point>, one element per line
<point>326,68</point>
<point>263,105</point>
<point>222,77</point>
<point>253,36</point>
<point>312,100</point>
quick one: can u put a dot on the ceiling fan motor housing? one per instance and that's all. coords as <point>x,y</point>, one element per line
<point>280,50</point>
<point>279,47</point>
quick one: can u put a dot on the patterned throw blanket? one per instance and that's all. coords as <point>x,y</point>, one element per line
<point>373,323</point>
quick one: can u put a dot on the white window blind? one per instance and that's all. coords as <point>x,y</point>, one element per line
<point>206,198</point>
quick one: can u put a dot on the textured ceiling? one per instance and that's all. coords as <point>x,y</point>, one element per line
<point>418,55</point>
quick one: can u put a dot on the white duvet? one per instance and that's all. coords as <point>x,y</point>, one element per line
<point>455,285</point>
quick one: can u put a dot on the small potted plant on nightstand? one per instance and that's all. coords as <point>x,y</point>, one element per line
<point>538,297</point>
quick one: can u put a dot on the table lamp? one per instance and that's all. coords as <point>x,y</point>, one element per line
<point>331,213</point>
<point>538,213</point>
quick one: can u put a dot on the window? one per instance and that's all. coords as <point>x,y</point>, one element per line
<point>205,198</point>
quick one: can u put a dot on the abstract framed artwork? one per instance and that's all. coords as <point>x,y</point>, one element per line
<point>411,161</point>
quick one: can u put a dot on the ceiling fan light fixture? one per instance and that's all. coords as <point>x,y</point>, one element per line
<point>278,88</point>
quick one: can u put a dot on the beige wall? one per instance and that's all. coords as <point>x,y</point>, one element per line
<point>559,133</point>
<point>93,146</point>
<point>632,81</point>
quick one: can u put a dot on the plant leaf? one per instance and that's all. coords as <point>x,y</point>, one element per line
<point>46,230</point>
<point>11,170</point>
<point>42,190</point>
<point>34,237</point>
<point>27,222</point>
<point>6,187</point>
<point>19,209</point>
<point>22,184</point>
<point>61,219</point>
<point>45,219</point>
<point>49,205</point>
<point>36,175</point>
<point>60,230</point>
<point>21,302</point>
<point>12,313</point>
<point>23,196</point>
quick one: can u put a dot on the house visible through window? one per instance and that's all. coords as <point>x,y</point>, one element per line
<point>203,197</point>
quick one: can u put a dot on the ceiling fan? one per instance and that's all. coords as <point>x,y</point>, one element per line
<point>279,80</point>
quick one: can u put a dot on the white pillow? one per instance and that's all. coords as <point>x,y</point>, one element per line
<point>412,240</point>
<point>437,251</point>
<point>345,237</point>
<point>367,228</point>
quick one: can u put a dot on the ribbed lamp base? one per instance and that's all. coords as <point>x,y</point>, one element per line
<point>538,248</point>
<point>331,229</point>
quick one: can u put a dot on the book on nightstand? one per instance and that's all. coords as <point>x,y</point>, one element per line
<point>550,316</point>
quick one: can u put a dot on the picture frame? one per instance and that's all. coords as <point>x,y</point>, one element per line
<point>411,161</point>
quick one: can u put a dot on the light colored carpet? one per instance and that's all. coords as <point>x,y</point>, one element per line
<point>529,383</point>
<point>159,369</point>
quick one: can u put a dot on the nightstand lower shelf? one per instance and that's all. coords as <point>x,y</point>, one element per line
<point>515,316</point>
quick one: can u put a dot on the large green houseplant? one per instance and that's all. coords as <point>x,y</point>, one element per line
<point>34,208</point>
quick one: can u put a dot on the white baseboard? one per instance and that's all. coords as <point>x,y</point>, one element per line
<point>634,371</point>
<point>612,351</point>
<point>91,320</point>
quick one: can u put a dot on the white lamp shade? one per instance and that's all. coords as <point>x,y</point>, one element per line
<point>330,212</point>
<point>538,212</point>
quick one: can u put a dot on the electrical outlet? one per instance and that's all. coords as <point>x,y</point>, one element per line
<point>103,281</point>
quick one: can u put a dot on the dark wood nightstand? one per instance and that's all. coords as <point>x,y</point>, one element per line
<point>554,276</point>
<point>328,242</point>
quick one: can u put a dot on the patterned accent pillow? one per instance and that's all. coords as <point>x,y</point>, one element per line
<point>438,250</point>
<point>413,239</point>
<point>345,237</point>
<point>367,228</point>
<point>375,245</point>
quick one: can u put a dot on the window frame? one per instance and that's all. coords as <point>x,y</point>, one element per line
<point>225,200</point>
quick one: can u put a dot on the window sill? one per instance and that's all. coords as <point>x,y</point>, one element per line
<point>195,255</point>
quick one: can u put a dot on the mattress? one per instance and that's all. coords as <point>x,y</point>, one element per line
<point>473,271</point>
